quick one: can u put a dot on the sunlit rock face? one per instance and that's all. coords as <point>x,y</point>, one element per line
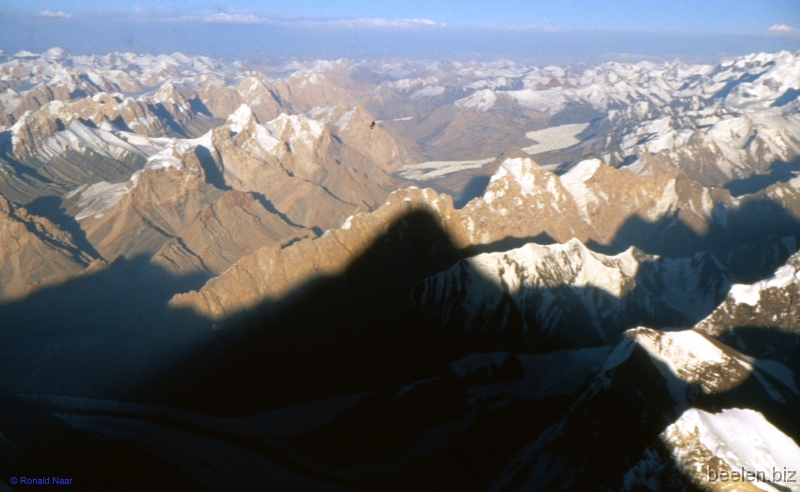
<point>270,273</point>
<point>34,252</point>
<point>768,303</point>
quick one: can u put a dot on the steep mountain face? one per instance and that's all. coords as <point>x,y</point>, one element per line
<point>137,216</point>
<point>666,214</point>
<point>296,164</point>
<point>305,90</point>
<point>353,126</point>
<point>647,382</point>
<point>769,302</point>
<point>524,200</point>
<point>703,441</point>
<point>562,285</point>
<point>237,224</point>
<point>118,170</point>
<point>57,75</point>
<point>761,318</point>
<point>34,253</point>
<point>62,149</point>
<point>170,211</point>
<point>597,202</point>
<point>254,90</point>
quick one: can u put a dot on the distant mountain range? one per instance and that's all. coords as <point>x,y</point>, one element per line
<point>399,275</point>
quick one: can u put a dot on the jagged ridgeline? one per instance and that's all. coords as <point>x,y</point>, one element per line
<point>399,275</point>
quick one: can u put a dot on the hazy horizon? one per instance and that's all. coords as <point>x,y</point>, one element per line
<point>262,32</point>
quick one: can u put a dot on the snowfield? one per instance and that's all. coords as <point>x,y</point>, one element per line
<point>744,440</point>
<point>436,169</point>
<point>554,138</point>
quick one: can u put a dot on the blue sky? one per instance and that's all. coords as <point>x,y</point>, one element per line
<point>569,30</point>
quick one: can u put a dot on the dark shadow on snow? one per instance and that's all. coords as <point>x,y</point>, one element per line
<point>779,172</point>
<point>785,98</point>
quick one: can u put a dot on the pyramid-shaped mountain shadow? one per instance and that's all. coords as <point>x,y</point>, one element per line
<point>116,318</point>
<point>333,335</point>
<point>342,334</point>
<point>352,333</point>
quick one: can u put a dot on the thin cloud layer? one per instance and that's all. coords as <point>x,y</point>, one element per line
<point>369,23</point>
<point>55,15</point>
<point>163,15</point>
<point>783,29</point>
<point>224,18</point>
<point>358,23</point>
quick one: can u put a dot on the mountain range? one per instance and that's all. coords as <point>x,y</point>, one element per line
<point>395,275</point>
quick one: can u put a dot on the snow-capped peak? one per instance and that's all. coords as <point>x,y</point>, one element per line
<point>751,294</point>
<point>296,129</point>
<point>737,441</point>
<point>240,118</point>
<point>522,170</point>
<point>482,100</point>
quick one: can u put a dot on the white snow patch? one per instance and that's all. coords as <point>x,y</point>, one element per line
<point>575,180</point>
<point>521,170</point>
<point>479,100</point>
<point>435,169</point>
<point>742,438</point>
<point>680,349</point>
<point>347,223</point>
<point>430,91</point>
<point>240,118</point>
<point>98,198</point>
<point>345,119</point>
<point>554,138</point>
<point>751,294</point>
<point>691,357</point>
<point>165,159</point>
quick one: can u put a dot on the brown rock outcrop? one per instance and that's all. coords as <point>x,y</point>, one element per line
<point>34,252</point>
<point>298,167</point>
